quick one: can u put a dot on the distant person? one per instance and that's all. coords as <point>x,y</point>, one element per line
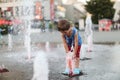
<point>1,32</point>
<point>43,26</point>
<point>89,32</point>
<point>72,44</point>
<point>10,30</point>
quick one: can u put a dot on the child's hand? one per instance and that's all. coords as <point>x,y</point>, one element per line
<point>69,54</point>
<point>73,56</point>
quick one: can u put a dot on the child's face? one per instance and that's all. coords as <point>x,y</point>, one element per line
<point>66,32</point>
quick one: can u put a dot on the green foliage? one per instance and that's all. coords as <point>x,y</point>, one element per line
<point>51,25</point>
<point>100,9</point>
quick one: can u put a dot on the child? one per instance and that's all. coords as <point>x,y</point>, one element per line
<point>72,43</point>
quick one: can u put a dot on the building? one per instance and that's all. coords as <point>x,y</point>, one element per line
<point>23,8</point>
<point>117,10</point>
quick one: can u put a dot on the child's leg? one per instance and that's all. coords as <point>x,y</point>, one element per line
<point>76,69</point>
<point>77,61</point>
<point>67,69</point>
<point>68,62</point>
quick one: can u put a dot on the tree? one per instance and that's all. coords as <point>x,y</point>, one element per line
<point>100,9</point>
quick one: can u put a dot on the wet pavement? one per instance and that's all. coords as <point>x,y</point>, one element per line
<point>103,65</point>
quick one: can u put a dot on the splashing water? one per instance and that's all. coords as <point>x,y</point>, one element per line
<point>83,51</point>
<point>28,11</point>
<point>89,32</point>
<point>47,46</point>
<point>9,42</point>
<point>40,67</point>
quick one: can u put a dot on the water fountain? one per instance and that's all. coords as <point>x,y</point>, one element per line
<point>89,32</point>
<point>40,66</point>
<point>88,41</point>
<point>28,15</point>
<point>47,46</point>
<point>27,41</point>
<point>23,11</point>
<point>10,42</point>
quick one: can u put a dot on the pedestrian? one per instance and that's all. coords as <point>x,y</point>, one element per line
<point>43,26</point>
<point>1,32</point>
<point>72,43</point>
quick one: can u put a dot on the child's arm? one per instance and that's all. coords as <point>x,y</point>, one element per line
<point>65,44</point>
<point>76,44</point>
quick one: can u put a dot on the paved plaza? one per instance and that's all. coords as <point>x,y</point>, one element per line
<point>103,64</point>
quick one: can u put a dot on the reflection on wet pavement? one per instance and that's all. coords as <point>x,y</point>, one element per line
<point>103,64</point>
